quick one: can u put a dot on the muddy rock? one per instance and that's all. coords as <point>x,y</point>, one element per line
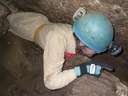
<point>90,86</point>
<point>17,59</point>
<point>22,64</point>
<point>3,22</point>
<point>63,10</point>
<point>106,85</point>
<point>21,71</point>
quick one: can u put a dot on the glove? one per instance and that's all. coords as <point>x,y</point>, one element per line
<point>92,68</point>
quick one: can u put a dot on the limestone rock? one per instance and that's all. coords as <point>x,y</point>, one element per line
<point>106,85</point>
<point>24,62</point>
<point>3,22</point>
<point>62,10</point>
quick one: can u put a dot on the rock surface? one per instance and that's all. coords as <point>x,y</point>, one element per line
<point>63,10</point>
<point>3,22</point>
<point>106,85</point>
<point>21,71</point>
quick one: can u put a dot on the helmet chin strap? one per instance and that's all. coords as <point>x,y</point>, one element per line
<point>115,49</point>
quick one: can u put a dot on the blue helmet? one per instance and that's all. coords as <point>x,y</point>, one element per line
<point>94,30</point>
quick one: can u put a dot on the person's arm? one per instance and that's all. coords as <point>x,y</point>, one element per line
<point>54,77</point>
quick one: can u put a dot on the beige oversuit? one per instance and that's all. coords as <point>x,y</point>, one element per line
<point>55,39</point>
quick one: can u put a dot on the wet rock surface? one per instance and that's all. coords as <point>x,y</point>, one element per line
<point>21,68</point>
<point>105,85</point>
<point>3,22</point>
<point>63,10</point>
<point>92,86</point>
<point>21,62</point>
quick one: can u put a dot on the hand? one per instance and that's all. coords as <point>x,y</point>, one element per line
<point>90,68</point>
<point>94,69</point>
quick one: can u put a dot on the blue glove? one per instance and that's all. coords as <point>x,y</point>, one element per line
<point>92,68</point>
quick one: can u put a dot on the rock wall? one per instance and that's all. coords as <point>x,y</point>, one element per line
<point>4,11</point>
<point>62,10</point>
<point>23,60</point>
<point>106,85</point>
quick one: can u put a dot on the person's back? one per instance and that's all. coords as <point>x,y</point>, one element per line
<point>35,27</point>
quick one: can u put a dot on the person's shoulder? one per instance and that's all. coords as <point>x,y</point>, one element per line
<point>59,29</point>
<point>62,28</point>
<point>63,25</point>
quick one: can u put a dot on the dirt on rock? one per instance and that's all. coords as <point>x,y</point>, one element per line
<point>21,61</point>
<point>4,11</point>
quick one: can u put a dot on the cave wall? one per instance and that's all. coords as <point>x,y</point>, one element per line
<point>62,10</point>
<point>22,55</point>
<point>4,11</point>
